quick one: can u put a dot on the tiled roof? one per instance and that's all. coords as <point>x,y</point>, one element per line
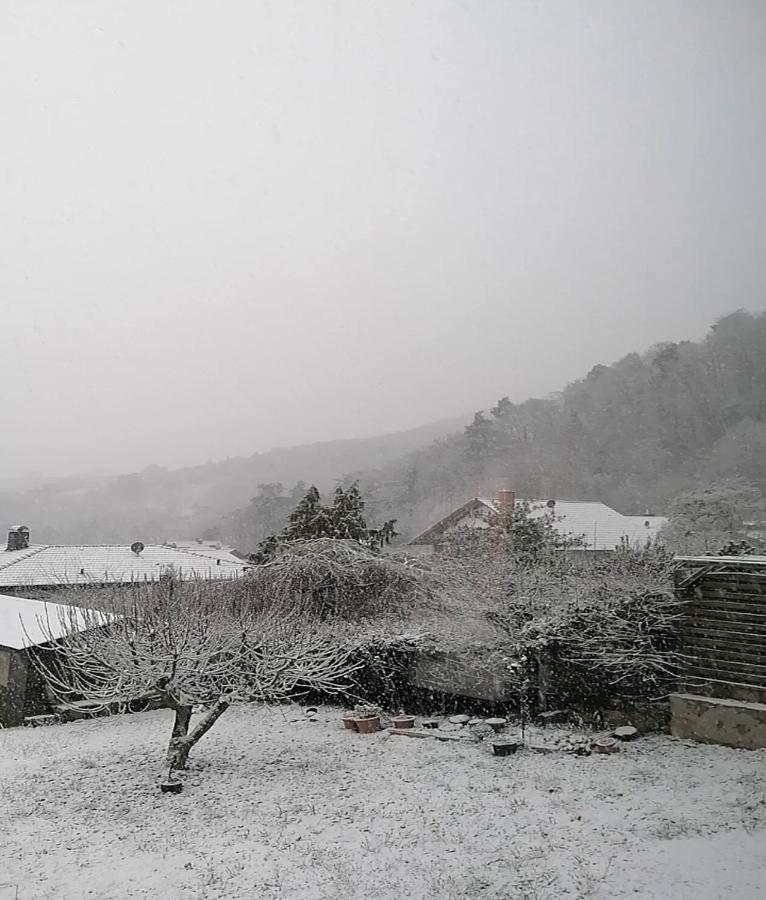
<point>27,623</point>
<point>600,526</point>
<point>72,565</point>
<point>207,548</point>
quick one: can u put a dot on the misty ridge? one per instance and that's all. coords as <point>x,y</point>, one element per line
<point>633,434</point>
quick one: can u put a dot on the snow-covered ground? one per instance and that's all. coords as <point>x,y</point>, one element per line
<point>278,806</point>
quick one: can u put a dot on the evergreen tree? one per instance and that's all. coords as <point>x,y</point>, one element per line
<point>347,515</point>
<point>344,520</point>
<point>309,519</point>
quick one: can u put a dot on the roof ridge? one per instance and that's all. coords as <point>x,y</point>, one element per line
<point>191,552</point>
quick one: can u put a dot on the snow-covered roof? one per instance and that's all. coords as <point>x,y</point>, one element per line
<point>598,525</point>
<point>213,549</point>
<point>28,623</point>
<point>53,564</point>
<point>647,527</point>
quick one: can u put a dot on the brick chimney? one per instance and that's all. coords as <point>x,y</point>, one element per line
<point>506,500</point>
<point>18,538</point>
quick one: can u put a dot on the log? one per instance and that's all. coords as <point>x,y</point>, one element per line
<point>436,735</point>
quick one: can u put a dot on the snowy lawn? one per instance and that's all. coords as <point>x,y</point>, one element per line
<point>277,806</point>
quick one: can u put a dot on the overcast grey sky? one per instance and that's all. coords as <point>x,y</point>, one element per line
<point>232,225</point>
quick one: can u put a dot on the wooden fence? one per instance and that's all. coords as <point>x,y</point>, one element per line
<point>723,637</point>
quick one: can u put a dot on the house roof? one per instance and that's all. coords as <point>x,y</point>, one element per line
<point>600,526</point>
<point>60,565</point>
<point>28,623</point>
<point>476,504</point>
<point>212,549</point>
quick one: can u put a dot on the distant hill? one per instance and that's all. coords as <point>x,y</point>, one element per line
<point>160,504</point>
<point>633,434</point>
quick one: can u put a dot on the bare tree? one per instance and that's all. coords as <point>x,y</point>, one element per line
<point>187,645</point>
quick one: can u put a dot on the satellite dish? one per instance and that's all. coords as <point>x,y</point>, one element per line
<point>137,547</point>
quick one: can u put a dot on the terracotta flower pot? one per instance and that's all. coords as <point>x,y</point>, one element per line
<point>403,722</point>
<point>349,721</point>
<point>368,725</point>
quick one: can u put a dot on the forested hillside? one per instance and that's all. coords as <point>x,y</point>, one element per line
<point>634,434</point>
<point>160,504</point>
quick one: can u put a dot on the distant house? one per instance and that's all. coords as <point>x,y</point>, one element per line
<point>647,527</point>
<point>25,566</point>
<point>28,626</point>
<point>600,528</point>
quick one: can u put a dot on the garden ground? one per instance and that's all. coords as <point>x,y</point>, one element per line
<point>275,805</point>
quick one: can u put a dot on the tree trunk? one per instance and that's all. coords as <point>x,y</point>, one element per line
<point>177,748</point>
<point>182,741</point>
<point>543,680</point>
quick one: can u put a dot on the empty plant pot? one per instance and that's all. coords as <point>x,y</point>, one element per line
<point>171,787</point>
<point>368,725</point>
<point>504,748</point>
<point>349,721</point>
<point>403,721</point>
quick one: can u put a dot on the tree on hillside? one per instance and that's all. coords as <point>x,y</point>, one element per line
<point>266,514</point>
<point>480,437</point>
<point>344,520</point>
<point>703,520</point>
<point>741,454</point>
<point>186,646</point>
<point>503,408</point>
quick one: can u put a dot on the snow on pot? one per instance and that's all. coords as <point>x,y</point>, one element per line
<point>481,730</point>
<point>367,725</point>
<point>497,724</point>
<point>504,748</point>
<point>459,720</point>
<point>625,732</point>
<point>403,722</point>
